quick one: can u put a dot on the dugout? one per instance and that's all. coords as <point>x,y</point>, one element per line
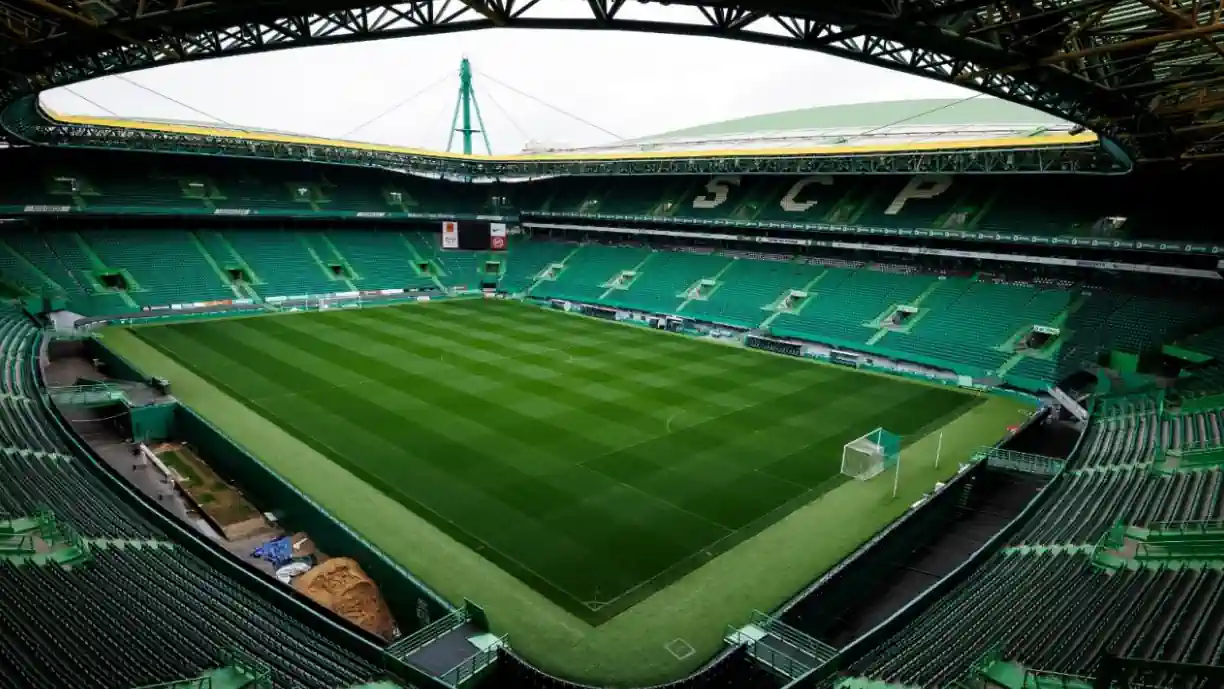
<point>776,346</point>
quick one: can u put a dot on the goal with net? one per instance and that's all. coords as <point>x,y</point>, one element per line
<point>870,454</point>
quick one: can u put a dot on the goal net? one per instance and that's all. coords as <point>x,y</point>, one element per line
<point>324,303</point>
<point>869,455</point>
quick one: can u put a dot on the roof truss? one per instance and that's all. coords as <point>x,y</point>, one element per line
<point>1148,73</point>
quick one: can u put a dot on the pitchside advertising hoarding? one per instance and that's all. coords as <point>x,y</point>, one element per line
<point>474,235</point>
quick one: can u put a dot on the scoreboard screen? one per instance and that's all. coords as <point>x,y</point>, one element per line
<point>473,235</point>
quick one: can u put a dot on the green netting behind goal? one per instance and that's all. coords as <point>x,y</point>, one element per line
<point>870,454</point>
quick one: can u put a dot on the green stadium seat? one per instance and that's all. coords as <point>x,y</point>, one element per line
<point>844,301</point>
<point>282,263</point>
<point>527,258</point>
<point>140,609</point>
<point>749,286</point>
<point>1051,610</point>
<point>381,259</point>
<point>588,271</point>
<point>147,255</point>
<point>662,280</point>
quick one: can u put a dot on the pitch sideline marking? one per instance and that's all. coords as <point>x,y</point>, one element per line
<point>271,417</point>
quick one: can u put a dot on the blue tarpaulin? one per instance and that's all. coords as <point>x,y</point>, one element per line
<point>278,551</point>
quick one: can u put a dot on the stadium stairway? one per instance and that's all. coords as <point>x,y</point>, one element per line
<point>223,253</point>
<point>748,287</point>
<point>843,304</point>
<point>145,254</point>
<point>15,267</point>
<point>625,280</point>
<point>423,255</point>
<point>704,287</point>
<point>775,644</point>
<point>1043,604</point>
<point>956,328</point>
<point>916,303</point>
<point>327,255</point>
<point>380,260</point>
<point>586,273</point>
<point>283,264</point>
<point>463,269</point>
<point>62,260</point>
<point>211,261</point>
<point>527,259</point>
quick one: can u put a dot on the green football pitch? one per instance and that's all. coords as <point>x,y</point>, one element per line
<point>595,462</point>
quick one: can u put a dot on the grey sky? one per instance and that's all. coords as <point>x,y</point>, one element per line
<point>630,84</point>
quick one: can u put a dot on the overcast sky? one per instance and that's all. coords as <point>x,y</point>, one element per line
<point>630,85</point>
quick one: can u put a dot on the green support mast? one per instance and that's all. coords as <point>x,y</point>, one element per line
<point>464,105</point>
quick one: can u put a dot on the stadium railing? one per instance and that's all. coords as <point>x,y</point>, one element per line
<point>925,599</point>
<point>403,591</point>
<point>303,609</point>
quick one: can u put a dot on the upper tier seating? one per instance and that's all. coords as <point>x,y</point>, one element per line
<point>1106,207</point>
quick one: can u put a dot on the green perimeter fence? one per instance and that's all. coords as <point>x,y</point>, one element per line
<point>412,603</point>
<point>299,607</point>
<point>914,523</point>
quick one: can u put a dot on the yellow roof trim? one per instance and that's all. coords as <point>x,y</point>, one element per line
<point>1035,141</point>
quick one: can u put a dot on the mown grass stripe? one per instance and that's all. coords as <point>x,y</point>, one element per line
<point>589,459</point>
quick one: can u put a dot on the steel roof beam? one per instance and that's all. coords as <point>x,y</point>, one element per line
<point>1080,59</point>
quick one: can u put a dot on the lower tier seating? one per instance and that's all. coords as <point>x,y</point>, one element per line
<point>968,323</point>
<point>742,293</point>
<point>527,259</point>
<point>143,610</point>
<point>1048,607</point>
<point>146,613</point>
<point>1057,613</point>
<point>661,281</point>
<point>587,272</point>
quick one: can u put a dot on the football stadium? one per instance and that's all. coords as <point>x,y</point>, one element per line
<point>924,393</point>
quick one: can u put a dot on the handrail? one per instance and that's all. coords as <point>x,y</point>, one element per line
<point>888,529</point>
<point>1188,525</point>
<point>304,609</point>
<point>930,595</point>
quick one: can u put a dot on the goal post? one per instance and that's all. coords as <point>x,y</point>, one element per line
<point>868,455</point>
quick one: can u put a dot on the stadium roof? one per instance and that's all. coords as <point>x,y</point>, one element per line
<point>826,142</point>
<point>1147,73</point>
<point>941,112</point>
<point>884,126</point>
